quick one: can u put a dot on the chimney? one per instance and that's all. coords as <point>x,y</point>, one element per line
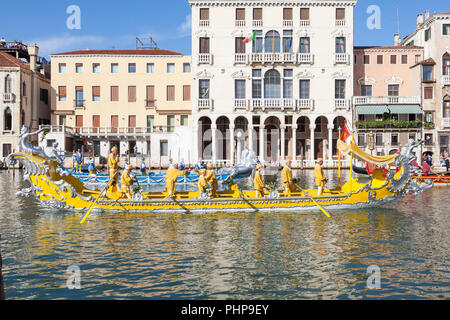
<point>33,52</point>
<point>396,39</point>
<point>427,14</point>
<point>419,19</point>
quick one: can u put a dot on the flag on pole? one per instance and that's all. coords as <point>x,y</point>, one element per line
<point>346,133</point>
<point>253,38</point>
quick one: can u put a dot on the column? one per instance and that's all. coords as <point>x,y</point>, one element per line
<point>283,140</point>
<point>250,137</point>
<point>294,144</point>
<point>261,143</point>
<point>194,156</point>
<point>214,143</point>
<point>312,127</point>
<point>232,144</point>
<point>330,144</point>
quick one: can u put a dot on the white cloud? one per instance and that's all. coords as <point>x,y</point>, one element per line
<point>66,43</point>
<point>186,26</point>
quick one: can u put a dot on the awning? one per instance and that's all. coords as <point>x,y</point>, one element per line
<point>405,109</point>
<point>372,109</point>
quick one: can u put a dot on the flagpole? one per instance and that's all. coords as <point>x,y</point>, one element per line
<point>339,161</point>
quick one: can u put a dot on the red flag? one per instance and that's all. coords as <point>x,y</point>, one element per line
<point>346,133</point>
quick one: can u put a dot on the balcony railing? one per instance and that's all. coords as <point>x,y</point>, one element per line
<point>288,23</point>
<point>364,100</point>
<point>205,58</point>
<point>389,124</point>
<point>272,104</point>
<point>240,23</point>
<point>305,104</point>
<point>9,97</point>
<point>273,57</point>
<point>204,104</point>
<point>77,103</point>
<point>342,104</point>
<point>304,23</point>
<point>341,58</point>
<point>445,122</point>
<point>240,58</point>
<point>340,23</point>
<point>257,23</point>
<point>446,80</point>
<point>203,23</point>
<point>305,58</point>
<point>122,131</point>
<point>240,104</point>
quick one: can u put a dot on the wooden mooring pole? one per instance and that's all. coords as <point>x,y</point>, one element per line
<point>2,288</point>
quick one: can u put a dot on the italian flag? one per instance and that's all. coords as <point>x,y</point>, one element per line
<point>253,38</point>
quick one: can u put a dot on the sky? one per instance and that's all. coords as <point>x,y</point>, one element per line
<point>116,24</point>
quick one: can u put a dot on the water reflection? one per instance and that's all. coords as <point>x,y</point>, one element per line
<point>226,256</point>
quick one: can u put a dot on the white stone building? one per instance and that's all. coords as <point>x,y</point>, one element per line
<point>433,34</point>
<point>288,89</point>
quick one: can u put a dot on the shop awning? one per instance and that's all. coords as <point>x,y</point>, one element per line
<point>372,109</point>
<point>405,109</point>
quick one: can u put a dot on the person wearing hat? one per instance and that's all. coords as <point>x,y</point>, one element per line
<point>288,180</point>
<point>319,177</point>
<point>202,183</point>
<point>126,181</point>
<point>113,166</point>
<point>171,178</point>
<point>258,182</point>
<point>212,179</point>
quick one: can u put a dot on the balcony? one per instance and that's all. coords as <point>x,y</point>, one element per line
<point>445,80</point>
<point>445,122</point>
<point>304,23</point>
<point>340,23</point>
<point>279,104</point>
<point>205,58</point>
<point>240,23</point>
<point>273,58</point>
<point>205,104</point>
<point>305,58</point>
<point>240,58</point>
<point>341,58</point>
<point>9,97</point>
<point>305,104</point>
<point>367,100</point>
<point>240,104</point>
<point>389,124</point>
<point>341,104</point>
<point>203,23</point>
<point>288,23</point>
<point>257,23</point>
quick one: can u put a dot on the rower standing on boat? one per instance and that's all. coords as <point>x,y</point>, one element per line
<point>78,157</point>
<point>202,183</point>
<point>258,182</point>
<point>319,177</point>
<point>212,179</point>
<point>113,165</point>
<point>171,178</point>
<point>143,167</point>
<point>126,181</point>
<point>91,166</point>
<point>288,180</point>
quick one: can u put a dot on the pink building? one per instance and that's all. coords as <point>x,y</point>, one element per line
<point>387,96</point>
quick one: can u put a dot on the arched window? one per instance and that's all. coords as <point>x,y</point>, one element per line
<point>8,84</point>
<point>446,64</point>
<point>272,85</point>
<point>446,107</point>
<point>272,41</point>
<point>7,116</point>
<point>24,89</point>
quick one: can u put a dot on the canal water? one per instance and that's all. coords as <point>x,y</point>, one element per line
<point>226,256</point>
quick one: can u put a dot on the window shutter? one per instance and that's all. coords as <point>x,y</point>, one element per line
<point>131,121</point>
<point>204,45</point>
<point>150,96</point>
<point>304,14</point>
<point>132,94</point>
<point>62,92</point>
<point>78,88</point>
<point>170,93</point>
<point>257,14</point>
<point>340,14</point>
<point>204,14</point>
<point>96,91</point>
<point>287,14</point>
<point>186,93</point>
<point>239,45</point>
<point>240,14</point>
<point>114,93</point>
<point>96,121</point>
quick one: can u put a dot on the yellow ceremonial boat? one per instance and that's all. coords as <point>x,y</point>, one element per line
<point>55,187</point>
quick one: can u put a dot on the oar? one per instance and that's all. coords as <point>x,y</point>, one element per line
<point>315,202</point>
<point>101,193</point>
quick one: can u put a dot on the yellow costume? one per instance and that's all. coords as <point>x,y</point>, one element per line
<point>319,178</point>
<point>126,181</point>
<point>113,165</point>
<point>212,179</point>
<point>202,184</point>
<point>288,181</point>
<point>259,185</point>
<point>171,178</point>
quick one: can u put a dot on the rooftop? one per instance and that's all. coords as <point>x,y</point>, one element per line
<point>7,60</point>
<point>138,52</point>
